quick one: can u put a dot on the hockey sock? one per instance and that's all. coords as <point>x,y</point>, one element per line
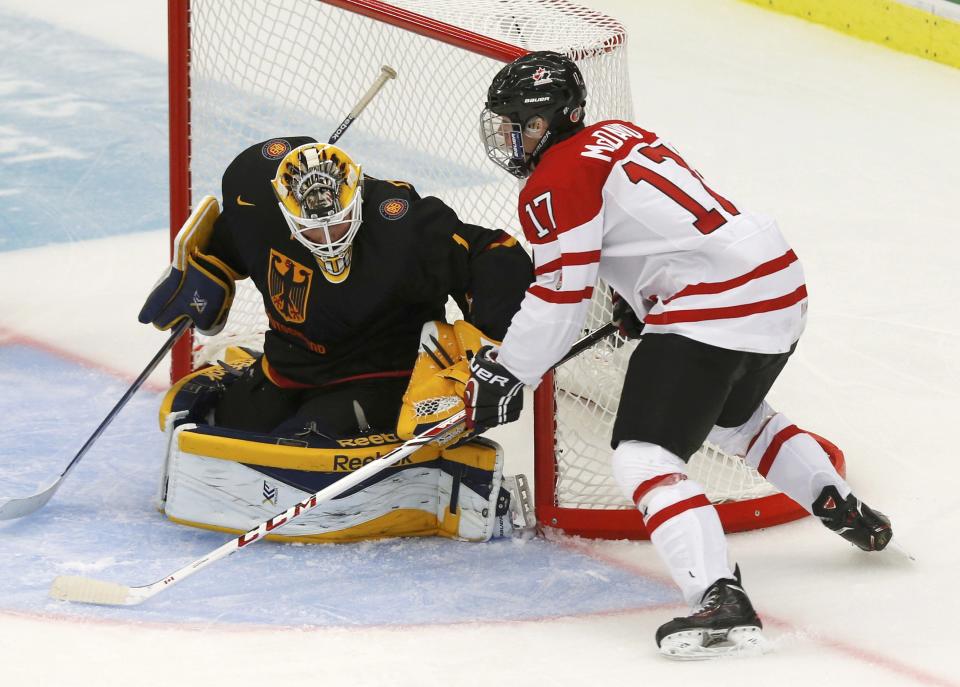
<point>683,525</point>
<point>794,462</point>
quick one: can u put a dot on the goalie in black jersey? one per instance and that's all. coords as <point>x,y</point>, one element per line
<point>371,262</point>
<point>350,268</point>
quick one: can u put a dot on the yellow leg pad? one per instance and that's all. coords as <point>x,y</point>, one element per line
<point>231,485</point>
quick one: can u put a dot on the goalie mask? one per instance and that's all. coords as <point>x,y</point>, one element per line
<point>320,190</point>
<point>544,85</point>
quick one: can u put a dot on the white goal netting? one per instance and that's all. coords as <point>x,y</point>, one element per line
<point>271,68</point>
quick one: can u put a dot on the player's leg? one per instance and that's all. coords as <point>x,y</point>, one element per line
<point>674,391</point>
<point>791,459</point>
<point>348,408</point>
<point>253,403</point>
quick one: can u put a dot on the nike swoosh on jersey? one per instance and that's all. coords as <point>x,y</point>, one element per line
<point>240,201</point>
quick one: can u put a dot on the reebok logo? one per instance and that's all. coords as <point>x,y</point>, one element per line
<point>370,439</point>
<point>342,463</point>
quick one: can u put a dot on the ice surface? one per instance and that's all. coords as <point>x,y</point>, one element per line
<point>852,147</point>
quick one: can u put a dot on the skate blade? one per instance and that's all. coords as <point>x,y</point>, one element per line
<point>895,546</point>
<point>702,645</point>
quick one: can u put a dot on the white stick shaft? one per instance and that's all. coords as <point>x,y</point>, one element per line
<point>71,588</point>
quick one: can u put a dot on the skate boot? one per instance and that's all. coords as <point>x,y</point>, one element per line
<point>853,520</point>
<point>724,625</point>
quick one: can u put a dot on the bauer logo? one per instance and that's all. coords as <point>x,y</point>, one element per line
<point>394,208</point>
<point>275,149</point>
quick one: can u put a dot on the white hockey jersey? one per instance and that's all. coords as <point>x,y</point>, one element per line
<point>616,202</point>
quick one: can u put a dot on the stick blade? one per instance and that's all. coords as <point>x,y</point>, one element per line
<point>11,509</point>
<point>90,591</point>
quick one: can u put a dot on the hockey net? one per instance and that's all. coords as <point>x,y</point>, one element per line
<point>249,70</point>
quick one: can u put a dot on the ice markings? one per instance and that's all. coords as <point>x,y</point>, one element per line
<point>17,147</point>
<point>103,523</point>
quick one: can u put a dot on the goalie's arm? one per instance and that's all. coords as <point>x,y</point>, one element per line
<point>485,270</point>
<point>198,285</point>
<point>500,271</point>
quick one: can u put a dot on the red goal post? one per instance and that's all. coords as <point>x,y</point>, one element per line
<point>249,70</point>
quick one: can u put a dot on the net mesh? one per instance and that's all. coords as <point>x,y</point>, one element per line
<point>273,68</point>
<point>433,406</point>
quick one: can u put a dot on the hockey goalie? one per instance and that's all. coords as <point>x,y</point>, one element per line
<point>355,273</point>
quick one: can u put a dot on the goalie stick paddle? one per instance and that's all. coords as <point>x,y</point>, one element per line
<point>11,508</point>
<point>87,590</point>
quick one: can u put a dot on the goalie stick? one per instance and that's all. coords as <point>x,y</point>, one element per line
<point>11,508</point>
<point>88,590</point>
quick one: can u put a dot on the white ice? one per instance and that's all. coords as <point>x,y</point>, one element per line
<point>854,149</point>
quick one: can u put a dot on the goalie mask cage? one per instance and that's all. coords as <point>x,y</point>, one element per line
<point>249,70</point>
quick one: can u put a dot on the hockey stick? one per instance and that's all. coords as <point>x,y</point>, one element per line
<point>87,590</point>
<point>386,73</point>
<point>11,508</point>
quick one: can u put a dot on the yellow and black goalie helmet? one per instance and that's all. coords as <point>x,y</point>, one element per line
<point>320,189</point>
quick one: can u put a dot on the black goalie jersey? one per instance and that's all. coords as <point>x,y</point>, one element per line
<point>408,256</point>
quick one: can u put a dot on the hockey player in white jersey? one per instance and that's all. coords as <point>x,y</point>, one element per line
<point>721,300</point>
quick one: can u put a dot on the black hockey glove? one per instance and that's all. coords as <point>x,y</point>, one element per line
<point>493,396</point>
<point>203,293</point>
<point>625,318</point>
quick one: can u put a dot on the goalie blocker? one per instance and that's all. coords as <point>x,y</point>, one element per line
<point>230,480</point>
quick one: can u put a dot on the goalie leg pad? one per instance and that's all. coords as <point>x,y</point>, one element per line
<point>216,479</point>
<point>193,397</point>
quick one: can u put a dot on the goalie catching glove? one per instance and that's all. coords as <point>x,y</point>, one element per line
<point>493,396</point>
<point>195,286</point>
<point>439,376</point>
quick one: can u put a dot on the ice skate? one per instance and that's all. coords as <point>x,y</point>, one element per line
<point>853,520</point>
<point>724,625</point>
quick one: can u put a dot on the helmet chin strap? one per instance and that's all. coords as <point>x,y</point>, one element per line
<point>551,135</point>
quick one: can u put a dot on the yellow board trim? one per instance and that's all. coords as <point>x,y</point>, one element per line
<point>886,22</point>
<point>403,522</point>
